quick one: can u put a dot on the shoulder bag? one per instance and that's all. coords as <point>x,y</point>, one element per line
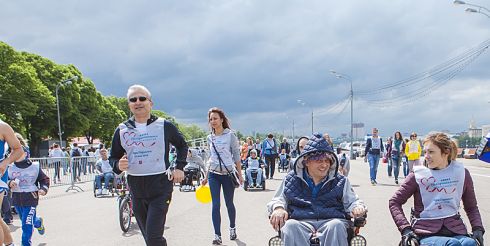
<point>233,175</point>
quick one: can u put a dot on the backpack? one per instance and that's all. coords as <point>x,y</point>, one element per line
<point>343,160</point>
<point>76,152</point>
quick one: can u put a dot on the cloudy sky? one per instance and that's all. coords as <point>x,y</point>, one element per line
<point>256,59</point>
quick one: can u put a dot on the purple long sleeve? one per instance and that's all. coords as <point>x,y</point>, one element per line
<point>428,227</point>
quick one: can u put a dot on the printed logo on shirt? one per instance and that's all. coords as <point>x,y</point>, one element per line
<point>143,140</point>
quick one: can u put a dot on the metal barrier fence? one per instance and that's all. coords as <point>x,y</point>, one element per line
<point>68,170</point>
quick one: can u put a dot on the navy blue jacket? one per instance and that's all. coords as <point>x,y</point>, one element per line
<point>304,204</point>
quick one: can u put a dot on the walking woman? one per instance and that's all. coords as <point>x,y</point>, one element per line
<point>437,192</point>
<point>224,158</point>
<point>7,137</point>
<point>387,156</point>
<point>397,152</point>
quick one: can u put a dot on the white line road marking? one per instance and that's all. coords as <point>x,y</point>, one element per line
<point>480,175</point>
<point>479,168</point>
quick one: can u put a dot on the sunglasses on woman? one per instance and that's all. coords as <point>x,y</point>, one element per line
<point>141,98</point>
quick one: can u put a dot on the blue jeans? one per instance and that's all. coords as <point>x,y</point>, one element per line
<point>249,175</point>
<point>217,181</point>
<point>395,161</point>
<point>373,165</point>
<point>283,163</point>
<point>29,219</point>
<point>406,169</point>
<point>448,241</point>
<point>107,180</point>
<point>390,166</point>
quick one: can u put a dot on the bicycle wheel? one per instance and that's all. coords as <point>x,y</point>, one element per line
<point>125,214</point>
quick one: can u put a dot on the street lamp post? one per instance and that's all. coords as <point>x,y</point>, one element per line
<point>292,133</point>
<point>478,9</point>
<point>346,77</point>
<point>303,103</point>
<point>68,81</point>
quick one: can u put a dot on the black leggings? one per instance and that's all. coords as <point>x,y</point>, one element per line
<point>270,160</point>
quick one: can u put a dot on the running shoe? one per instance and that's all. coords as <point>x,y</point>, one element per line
<point>41,229</point>
<point>232,233</point>
<point>217,240</point>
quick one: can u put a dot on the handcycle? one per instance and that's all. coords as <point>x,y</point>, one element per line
<point>252,184</point>
<point>283,165</point>
<point>191,174</point>
<point>353,236</point>
<point>113,186</point>
<point>414,242</point>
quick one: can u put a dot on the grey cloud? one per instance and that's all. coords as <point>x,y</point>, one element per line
<point>256,58</point>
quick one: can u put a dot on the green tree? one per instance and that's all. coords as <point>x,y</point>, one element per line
<point>192,132</point>
<point>25,101</point>
<point>467,140</point>
<point>103,125</point>
<point>120,103</point>
<point>28,84</point>
<point>45,125</point>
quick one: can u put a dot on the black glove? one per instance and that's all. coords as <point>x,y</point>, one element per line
<point>409,238</point>
<point>478,236</point>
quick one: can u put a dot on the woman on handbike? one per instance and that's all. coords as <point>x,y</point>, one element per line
<point>437,191</point>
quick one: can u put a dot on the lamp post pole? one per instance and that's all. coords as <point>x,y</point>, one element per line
<point>311,121</point>
<point>293,132</point>
<point>478,9</point>
<point>346,77</point>
<point>68,81</point>
<point>303,103</point>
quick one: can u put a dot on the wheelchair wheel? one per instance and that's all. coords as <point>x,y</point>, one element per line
<point>358,240</point>
<point>125,214</point>
<point>275,241</point>
<point>95,190</point>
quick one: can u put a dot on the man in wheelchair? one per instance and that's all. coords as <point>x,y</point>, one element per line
<point>314,202</point>
<point>284,161</point>
<point>254,164</point>
<point>192,170</point>
<point>103,170</point>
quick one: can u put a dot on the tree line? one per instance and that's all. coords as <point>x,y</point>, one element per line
<point>28,101</point>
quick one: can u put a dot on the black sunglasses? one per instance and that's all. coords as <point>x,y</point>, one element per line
<point>141,98</point>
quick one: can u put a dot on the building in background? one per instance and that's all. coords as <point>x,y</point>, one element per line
<point>473,131</point>
<point>358,130</point>
<point>485,130</point>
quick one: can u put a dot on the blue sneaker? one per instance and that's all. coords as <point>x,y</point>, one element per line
<point>41,228</point>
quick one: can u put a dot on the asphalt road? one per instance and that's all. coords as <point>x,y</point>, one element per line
<point>77,218</point>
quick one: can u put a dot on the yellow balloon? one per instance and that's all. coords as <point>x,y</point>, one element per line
<point>203,194</point>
